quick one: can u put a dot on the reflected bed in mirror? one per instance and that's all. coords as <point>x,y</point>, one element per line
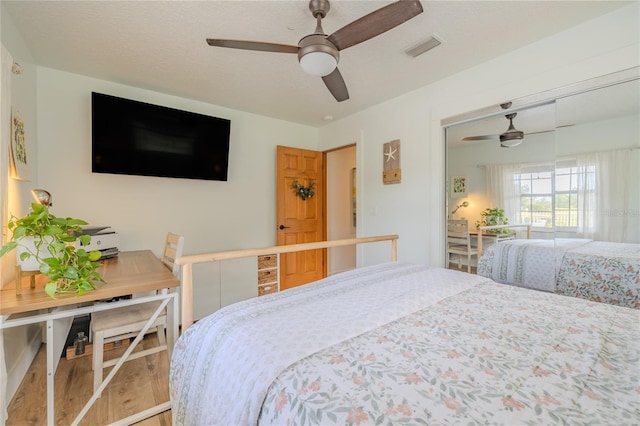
<point>574,178</point>
<point>599,271</point>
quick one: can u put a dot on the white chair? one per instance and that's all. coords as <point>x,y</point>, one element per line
<point>459,242</point>
<point>121,323</point>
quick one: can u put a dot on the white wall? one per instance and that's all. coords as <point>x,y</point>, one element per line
<point>415,208</point>
<point>212,215</point>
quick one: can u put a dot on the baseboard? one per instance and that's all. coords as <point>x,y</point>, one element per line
<point>17,371</point>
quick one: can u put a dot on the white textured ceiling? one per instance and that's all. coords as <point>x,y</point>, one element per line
<point>160,46</point>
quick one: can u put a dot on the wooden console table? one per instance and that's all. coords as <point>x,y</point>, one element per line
<point>129,273</point>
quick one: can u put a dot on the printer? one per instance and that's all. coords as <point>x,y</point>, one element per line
<point>103,239</point>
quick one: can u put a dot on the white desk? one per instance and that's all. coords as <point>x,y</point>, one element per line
<point>499,237</point>
<point>129,273</point>
<point>493,238</point>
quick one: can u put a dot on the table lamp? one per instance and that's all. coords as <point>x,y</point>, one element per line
<point>42,197</point>
<point>464,204</point>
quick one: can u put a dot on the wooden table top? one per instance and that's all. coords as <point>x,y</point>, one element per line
<point>486,234</point>
<point>128,273</point>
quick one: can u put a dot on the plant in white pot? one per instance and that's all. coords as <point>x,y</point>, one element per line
<point>492,217</point>
<point>51,242</point>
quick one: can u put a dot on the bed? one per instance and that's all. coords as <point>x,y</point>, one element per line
<point>402,343</point>
<point>595,270</point>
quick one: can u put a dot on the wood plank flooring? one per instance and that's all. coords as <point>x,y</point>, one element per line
<point>140,384</point>
<point>463,268</point>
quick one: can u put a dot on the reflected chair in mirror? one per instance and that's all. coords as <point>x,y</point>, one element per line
<point>114,325</point>
<point>459,242</point>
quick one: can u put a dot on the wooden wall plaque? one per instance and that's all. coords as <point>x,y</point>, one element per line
<point>391,172</point>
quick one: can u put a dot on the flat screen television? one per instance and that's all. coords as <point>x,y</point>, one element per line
<point>136,138</point>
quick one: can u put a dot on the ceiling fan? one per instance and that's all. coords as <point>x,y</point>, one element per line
<point>511,137</point>
<point>319,53</point>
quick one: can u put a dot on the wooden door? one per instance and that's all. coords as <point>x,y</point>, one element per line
<point>300,221</point>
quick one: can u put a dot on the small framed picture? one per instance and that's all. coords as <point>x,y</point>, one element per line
<point>458,186</point>
<point>19,166</point>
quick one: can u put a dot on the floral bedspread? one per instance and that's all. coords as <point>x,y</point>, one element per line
<point>614,268</point>
<point>594,270</point>
<point>398,343</point>
<point>493,354</point>
<point>222,366</point>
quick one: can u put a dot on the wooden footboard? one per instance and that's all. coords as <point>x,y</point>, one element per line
<point>187,262</point>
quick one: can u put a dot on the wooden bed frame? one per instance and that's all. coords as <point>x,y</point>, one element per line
<point>187,262</point>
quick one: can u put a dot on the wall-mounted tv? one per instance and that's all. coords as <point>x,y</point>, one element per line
<point>137,138</point>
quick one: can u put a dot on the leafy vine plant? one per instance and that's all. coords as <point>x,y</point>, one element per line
<point>492,217</point>
<point>301,191</point>
<point>69,268</point>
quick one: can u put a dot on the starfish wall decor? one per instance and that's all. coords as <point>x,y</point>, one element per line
<point>391,162</point>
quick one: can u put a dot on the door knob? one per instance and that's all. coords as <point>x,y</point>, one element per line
<point>283,227</point>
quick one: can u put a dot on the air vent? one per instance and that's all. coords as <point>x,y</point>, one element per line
<point>423,47</point>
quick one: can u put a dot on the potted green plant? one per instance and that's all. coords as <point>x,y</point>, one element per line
<point>492,217</point>
<point>52,242</point>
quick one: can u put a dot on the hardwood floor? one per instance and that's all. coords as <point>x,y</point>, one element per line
<point>140,384</point>
<point>463,268</point>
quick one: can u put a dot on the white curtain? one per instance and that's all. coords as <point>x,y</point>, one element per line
<point>605,202</point>
<point>5,132</point>
<point>607,193</point>
<point>503,190</point>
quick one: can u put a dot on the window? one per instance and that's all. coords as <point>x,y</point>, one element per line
<point>536,198</point>
<point>551,197</point>
<point>572,184</point>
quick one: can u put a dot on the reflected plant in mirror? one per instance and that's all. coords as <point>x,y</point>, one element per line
<point>493,217</point>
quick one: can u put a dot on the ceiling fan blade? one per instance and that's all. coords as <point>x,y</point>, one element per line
<point>375,23</point>
<point>550,130</point>
<point>253,45</point>
<point>541,131</point>
<point>481,138</point>
<point>337,87</point>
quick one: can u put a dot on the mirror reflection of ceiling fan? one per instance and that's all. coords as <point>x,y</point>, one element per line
<point>512,136</point>
<point>319,54</point>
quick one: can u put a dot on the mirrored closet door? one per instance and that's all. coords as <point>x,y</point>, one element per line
<point>567,166</point>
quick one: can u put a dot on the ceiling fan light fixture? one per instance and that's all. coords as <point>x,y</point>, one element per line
<point>511,139</point>
<point>318,63</point>
<point>317,55</point>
